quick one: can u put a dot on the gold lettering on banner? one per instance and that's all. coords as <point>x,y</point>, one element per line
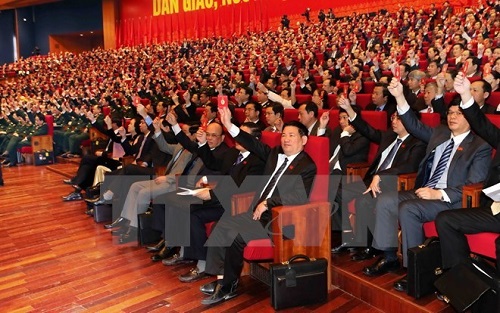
<point>165,7</point>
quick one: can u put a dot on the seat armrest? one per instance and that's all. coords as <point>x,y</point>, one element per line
<point>126,160</point>
<point>302,229</point>
<point>406,181</point>
<point>471,195</point>
<point>356,171</point>
<point>241,202</point>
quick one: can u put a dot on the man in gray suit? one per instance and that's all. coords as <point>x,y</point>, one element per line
<point>455,157</point>
<point>140,193</point>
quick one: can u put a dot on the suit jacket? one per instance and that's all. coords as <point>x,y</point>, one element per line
<point>151,154</point>
<point>488,109</point>
<point>192,147</point>
<point>174,166</point>
<point>489,132</point>
<point>470,162</point>
<point>292,189</point>
<point>225,165</point>
<point>389,107</point>
<point>353,148</point>
<point>406,160</point>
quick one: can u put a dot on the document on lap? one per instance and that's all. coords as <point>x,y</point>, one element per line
<point>190,192</point>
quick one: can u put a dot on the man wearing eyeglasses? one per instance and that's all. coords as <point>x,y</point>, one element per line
<point>452,226</point>
<point>455,157</point>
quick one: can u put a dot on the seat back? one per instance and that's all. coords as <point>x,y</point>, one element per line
<point>291,115</point>
<point>362,100</point>
<point>494,99</point>
<point>239,115</point>
<point>271,139</point>
<point>334,119</point>
<point>378,120</point>
<point>430,119</point>
<point>318,150</point>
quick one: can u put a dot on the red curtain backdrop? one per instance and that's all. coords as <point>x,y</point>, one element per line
<point>155,21</point>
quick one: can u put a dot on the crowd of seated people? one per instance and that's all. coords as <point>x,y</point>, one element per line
<point>403,63</point>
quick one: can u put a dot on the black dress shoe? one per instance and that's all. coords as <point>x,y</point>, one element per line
<point>73,196</point>
<point>175,260</point>
<point>402,284</point>
<point>209,288</point>
<point>342,248</point>
<point>192,275</point>
<point>164,253</point>
<point>221,293</point>
<point>129,236</point>
<point>380,267</point>
<point>365,254</point>
<point>156,247</point>
<point>96,201</point>
<point>89,212</point>
<point>116,223</point>
<point>68,182</point>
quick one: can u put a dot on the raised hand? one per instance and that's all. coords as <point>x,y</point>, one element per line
<point>171,118</point>
<point>225,117</point>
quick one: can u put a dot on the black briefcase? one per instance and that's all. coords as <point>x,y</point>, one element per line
<point>147,234</point>
<point>102,212</point>
<point>43,157</point>
<point>298,283</point>
<point>471,284</point>
<point>424,267</point>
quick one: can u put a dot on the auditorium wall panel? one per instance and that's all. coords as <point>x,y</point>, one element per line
<point>7,26</point>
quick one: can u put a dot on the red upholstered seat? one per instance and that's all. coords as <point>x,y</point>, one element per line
<point>482,243</point>
<point>261,249</point>
<point>301,99</point>
<point>430,119</point>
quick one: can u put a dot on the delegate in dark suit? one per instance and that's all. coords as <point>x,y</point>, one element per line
<point>453,225</point>
<point>406,160</point>
<point>234,169</point>
<point>466,161</point>
<point>228,239</point>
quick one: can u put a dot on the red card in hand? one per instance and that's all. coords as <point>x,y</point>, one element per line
<point>355,88</point>
<point>444,68</point>
<point>397,72</point>
<point>137,100</point>
<point>204,121</point>
<point>465,66</point>
<point>222,101</point>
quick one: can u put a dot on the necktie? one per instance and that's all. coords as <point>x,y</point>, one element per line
<point>429,110</point>
<point>388,159</point>
<point>378,109</point>
<point>441,166</point>
<point>272,183</point>
<point>140,149</point>
<point>239,159</point>
<point>172,162</point>
<point>334,159</point>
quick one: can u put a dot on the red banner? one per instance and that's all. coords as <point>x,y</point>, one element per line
<point>153,21</point>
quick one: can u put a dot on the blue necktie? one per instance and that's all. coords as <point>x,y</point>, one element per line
<point>438,172</point>
<point>239,159</point>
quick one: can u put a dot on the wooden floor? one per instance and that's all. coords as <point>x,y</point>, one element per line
<point>54,258</point>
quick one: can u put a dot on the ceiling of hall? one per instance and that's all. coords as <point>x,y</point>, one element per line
<point>14,4</point>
